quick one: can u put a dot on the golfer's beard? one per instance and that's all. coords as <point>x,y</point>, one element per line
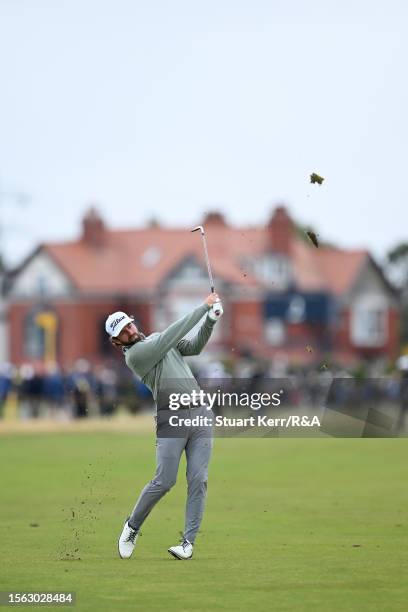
<point>139,336</point>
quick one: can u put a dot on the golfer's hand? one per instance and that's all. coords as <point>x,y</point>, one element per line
<point>212,298</point>
<point>216,311</point>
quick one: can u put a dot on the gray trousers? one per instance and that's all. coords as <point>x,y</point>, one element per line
<point>197,444</point>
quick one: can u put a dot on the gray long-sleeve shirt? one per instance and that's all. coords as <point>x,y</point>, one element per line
<point>158,359</point>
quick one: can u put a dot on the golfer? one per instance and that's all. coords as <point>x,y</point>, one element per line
<point>158,360</point>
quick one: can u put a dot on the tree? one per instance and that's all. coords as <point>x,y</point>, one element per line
<point>397,272</point>
<point>398,266</point>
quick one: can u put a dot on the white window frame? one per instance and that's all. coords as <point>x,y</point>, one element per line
<point>275,331</point>
<point>365,332</point>
<point>272,269</point>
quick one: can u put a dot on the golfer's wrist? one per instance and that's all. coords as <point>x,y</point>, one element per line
<point>209,319</point>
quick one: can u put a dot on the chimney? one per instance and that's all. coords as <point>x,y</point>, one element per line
<point>280,228</point>
<point>214,218</point>
<point>93,229</point>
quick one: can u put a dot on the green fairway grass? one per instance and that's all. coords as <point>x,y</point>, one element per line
<point>290,524</point>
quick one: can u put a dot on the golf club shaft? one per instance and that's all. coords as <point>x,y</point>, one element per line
<point>207,259</point>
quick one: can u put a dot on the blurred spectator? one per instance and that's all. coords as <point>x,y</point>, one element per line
<point>6,371</point>
<point>54,391</point>
<point>81,384</point>
<point>106,390</point>
<point>402,365</point>
<point>31,390</point>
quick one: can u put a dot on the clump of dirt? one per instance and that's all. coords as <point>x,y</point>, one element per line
<point>316,178</point>
<point>82,516</point>
<point>313,238</point>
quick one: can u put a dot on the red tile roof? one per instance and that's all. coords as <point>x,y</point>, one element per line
<point>326,267</point>
<point>120,264</point>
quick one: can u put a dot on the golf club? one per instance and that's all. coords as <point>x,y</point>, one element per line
<point>207,259</point>
<point>218,310</point>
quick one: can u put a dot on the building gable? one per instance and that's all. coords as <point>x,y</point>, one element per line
<point>188,273</point>
<point>370,300</point>
<point>370,281</point>
<point>41,277</point>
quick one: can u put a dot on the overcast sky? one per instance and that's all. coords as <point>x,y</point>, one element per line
<point>168,108</point>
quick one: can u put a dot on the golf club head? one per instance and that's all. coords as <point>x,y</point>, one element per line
<point>199,227</point>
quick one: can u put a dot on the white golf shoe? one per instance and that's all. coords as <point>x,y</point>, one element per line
<point>182,551</point>
<point>127,541</point>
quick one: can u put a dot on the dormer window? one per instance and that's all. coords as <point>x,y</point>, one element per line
<point>273,269</point>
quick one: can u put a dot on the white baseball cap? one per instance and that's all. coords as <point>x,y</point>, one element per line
<point>116,322</point>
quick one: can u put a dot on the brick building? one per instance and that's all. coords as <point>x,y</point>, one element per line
<point>281,293</point>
